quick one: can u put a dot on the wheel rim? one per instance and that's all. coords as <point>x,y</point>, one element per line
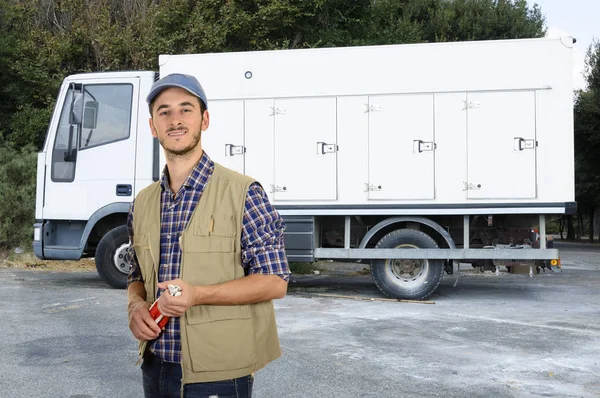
<point>408,273</point>
<point>120,259</point>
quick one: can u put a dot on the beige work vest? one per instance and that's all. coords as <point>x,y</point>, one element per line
<point>218,342</point>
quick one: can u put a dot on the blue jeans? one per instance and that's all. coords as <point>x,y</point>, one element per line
<point>163,380</point>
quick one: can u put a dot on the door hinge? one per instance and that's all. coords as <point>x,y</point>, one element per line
<point>371,187</point>
<point>373,108</point>
<point>470,105</point>
<point>231,150</point>
<point>522,143</point>
<point>470,187</point>
<point>277,188</point>
<point>276,111</point>
<point>422,146</point>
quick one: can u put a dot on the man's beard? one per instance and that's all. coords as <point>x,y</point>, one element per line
<point>183,152</point>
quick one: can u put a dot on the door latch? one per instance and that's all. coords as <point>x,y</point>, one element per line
<point>231,150</point>
<point>422,146</point>
<point>522,143</point>
<point>323,148</point>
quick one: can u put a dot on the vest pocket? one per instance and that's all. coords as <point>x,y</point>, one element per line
<point>208,259</point>
<point>216,225</point>
<point>220,338</point>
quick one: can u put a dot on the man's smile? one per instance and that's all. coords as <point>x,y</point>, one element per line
<point>176,133</point>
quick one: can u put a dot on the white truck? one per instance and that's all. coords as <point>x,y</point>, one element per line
<point>452,152</point>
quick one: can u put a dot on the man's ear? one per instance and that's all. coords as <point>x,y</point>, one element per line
<point>205,120</point>
<point>152,128</point>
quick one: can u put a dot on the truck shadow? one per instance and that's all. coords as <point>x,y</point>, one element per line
<point>470,287</point>
<point>490,287</point>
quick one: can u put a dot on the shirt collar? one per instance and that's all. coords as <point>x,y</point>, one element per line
<point>197,178</point>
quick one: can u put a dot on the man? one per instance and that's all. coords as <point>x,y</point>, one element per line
<point>213,233</point>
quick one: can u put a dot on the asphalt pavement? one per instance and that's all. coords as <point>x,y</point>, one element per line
<point>65,335</point>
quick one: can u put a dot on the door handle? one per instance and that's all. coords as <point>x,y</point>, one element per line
<point>124,190</point>
<point>523,143</point>
<point>421,146</point>
<point>323,148</point>
<point>231,150</point>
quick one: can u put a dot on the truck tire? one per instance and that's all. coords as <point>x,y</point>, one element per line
<point>110,257</point>
<point>407,279</point>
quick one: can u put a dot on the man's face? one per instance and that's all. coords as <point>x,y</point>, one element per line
<point>177,122</point>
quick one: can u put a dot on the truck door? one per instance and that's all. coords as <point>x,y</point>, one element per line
<point>501,145</point>
<point>224,138</point>
<point>401,147</point>
<point>305,149</point>
<point>91,164</point>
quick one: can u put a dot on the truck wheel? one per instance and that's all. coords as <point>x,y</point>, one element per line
<point>407,279</point>
<point>110,257</point>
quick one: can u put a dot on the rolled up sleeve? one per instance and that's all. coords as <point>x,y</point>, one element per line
<point>263,250</point>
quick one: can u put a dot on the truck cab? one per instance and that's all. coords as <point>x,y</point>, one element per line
<point>98,154</point>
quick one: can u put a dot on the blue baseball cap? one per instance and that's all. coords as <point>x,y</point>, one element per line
<point>186,82</point>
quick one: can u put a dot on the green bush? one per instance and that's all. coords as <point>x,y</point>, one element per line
<point>29,126</point>
<point>17,197</point>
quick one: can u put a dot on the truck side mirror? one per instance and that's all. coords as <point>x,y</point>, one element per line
<point>90,115</point>
<point>76,115</point>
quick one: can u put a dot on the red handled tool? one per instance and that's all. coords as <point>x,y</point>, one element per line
<point>159,318</point>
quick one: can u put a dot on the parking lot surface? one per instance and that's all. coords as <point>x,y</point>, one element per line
<point>65,334</point>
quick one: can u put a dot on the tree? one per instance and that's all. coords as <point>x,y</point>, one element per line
<point>587,138</point>
<point>8,87</point>
<point>408,21</point>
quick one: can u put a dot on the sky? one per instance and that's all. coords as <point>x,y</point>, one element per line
<point>577,18</point>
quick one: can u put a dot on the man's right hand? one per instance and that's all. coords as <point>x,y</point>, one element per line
<point>141,323</point>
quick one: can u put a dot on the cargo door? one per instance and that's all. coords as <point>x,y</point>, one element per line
<point>501,145</point>
<point>305,149</point>
<point>224,138</point>
<point>259,131</point>
<point>401,147</point>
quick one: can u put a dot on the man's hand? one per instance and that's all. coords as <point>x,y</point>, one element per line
<point>141,323</point>
<point>175,306</point>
